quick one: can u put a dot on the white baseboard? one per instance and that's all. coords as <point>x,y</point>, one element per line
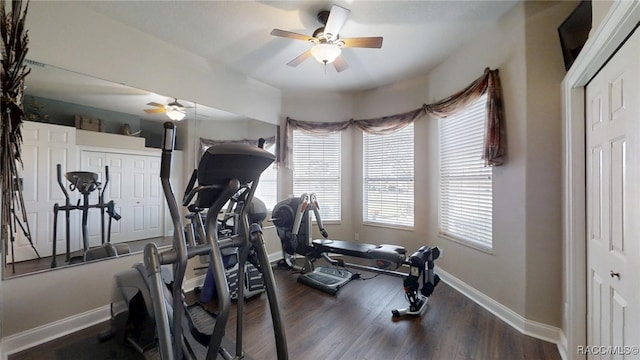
<point>274,257</point>
<point>192,283</point>
<point>528,327</point>
<point>562,346</point>
<point>42,334</point>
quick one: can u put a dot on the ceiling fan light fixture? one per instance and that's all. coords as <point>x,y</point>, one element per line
<point>325,53</point>
<point>175,114</point>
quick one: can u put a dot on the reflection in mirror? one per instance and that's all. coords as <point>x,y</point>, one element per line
<point>86,124</point>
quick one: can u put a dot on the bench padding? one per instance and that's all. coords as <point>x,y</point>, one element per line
<point>392,253</point>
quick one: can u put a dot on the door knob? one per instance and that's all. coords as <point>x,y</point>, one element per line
<point>614,274</point>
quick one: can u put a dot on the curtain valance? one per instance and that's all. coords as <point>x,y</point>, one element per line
<point>494,143</point>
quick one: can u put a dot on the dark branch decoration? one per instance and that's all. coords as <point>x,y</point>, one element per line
<point>13,72</point>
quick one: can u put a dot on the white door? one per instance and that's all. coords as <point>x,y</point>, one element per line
<point>134,186</point>
<point>43,148</point>
<point>613,204</point>
<point>142,196</point>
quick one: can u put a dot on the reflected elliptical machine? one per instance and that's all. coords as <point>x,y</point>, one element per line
<point>292,218</point>
<point>153,316</point>
<point>86,183</point>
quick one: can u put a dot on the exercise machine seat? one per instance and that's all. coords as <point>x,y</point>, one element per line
<point>391,253</point>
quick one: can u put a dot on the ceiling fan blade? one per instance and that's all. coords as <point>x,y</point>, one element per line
<point>340,64</point>
<point>302,57</point>
<point>337,17</point>
<point>155,104</point>
<point>290,35</point>
<point>363,42</point>
<point>155,111</point>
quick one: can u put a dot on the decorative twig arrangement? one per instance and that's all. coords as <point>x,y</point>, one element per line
<point>13,72</point>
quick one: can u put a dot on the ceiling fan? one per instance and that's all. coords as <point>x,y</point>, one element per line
<point>326,39</point>
<point>174,110</point>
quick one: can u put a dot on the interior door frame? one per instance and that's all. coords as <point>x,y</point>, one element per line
<point>620,21</point>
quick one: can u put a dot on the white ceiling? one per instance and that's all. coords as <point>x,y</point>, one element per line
<point>418,35</point>
<point>54,83</point>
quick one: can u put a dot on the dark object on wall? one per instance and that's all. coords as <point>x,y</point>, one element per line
<point>13,50</point>
<point>574,32</point>
<point>38,112</point>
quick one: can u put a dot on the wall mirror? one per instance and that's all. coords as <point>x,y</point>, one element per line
<point>83,124</point>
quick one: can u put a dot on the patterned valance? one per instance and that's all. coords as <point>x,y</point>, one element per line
<point>494,144</point>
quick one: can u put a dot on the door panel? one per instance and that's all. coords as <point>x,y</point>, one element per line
<point>132,187</point>
<point>613,209</point>
<point>44,146</point>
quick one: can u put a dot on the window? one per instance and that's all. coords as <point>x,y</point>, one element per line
<point>267,189</point>
<point>465,208</point>
<point>316,169</point>
<point>388,178</point>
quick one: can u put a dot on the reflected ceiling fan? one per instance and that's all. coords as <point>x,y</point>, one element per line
<point>174,110</point>
<point>326,39</point>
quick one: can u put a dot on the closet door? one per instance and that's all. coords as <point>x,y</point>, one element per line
<point>139,197</point>
<point>134,186</point>
<point>44,146</point>
<point>613,187</point>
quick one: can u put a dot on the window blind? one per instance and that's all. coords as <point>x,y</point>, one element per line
<point>388,178</point>
<point>267,189</point>
<point>466,200</point>
<point>316,169</point>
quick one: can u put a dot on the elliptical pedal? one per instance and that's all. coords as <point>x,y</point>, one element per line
<point>201,323</point>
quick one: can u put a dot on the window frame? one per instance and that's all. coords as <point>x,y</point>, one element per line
<point>387,143</point>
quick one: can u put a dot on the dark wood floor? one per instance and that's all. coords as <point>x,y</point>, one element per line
<point>357,324</point>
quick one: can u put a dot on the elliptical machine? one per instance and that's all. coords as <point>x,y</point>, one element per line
<point>149,314</point>
<point>86,182</point>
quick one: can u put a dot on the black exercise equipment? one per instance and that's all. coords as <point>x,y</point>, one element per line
<point>86,182</point>
<point>292,218</point>
<point>228,226</point>
<point>148,313</point>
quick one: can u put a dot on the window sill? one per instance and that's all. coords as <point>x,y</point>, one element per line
<point>388,226</point>
<point>467,243</point>
<point>327,222</point>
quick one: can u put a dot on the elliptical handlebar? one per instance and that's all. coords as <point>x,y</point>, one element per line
<point>178,255</point>
<point>106,181</point>
<point>62,187</point>
<point>168,145</point>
